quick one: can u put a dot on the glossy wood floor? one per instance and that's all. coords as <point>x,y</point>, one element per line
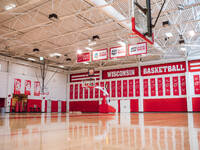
<point>125,131</point>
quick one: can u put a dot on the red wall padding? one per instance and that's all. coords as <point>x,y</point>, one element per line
<point>2,102</point>
<point>196,103</point>
<point>169,104</point>
<point>54,106</point>
<point>84,106</point>
<point>63,106</point>
<point>134,105</point>
<point>32,102</point>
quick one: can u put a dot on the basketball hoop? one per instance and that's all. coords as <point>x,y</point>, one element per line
<point>89,83</point>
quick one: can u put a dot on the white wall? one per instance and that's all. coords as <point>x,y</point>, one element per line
<point>57,85</point>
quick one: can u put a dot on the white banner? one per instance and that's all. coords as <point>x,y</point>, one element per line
<point>116,52</point>
<point>100,54</point>
<point>140,48</point>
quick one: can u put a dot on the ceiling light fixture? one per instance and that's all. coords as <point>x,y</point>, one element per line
<point>121,43</point>
<point>166,23</point>
<point>55,54</point>
<point>10,6</point>
<point>183,49</point>
<point>79,51</point>
<point>31,59</point>
<point>36,50</point>
<point>169,34</point>
<point>41,58</point>
<point>53,17</point>
<point>88,48</point>
<point>61,66</point>
<point>86,62</point>
<point>192,33</point>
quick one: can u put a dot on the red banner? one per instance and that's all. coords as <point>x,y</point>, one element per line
<point>27,87</point>
<point>170,68</point>
<point>83,57</point>
<point>116,52</point>
<point>120,73</point>
<point>71,91</point>
<point>125,88</point>
<point>196,84</point>
<point>102,85</point>
<point>137,87</point>
<point>160,87</point>
<point>175,86</point>
<point>113,88</point>
<point>36,88</point>
<point>97,91</point>
<point>183,85</point>
<point>80,91</point>
<point>108,88</point>
<point>91,92</point>
<point>119,88</point>
<point>131,88</point>
<point>167,86</point>
<point>146,85</point>
<point>76,91</point>
<point>100,54</point>
<point>17,86</point>
<point>153,86</point>
<point>137,49</point>
<point>86,93</point>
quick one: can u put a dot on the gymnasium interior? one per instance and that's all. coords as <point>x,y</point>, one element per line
<point>99,74</point>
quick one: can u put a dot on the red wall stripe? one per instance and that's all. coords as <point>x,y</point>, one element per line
<point>196,104</point>
<point>118,105</point>
<point>168,104</point>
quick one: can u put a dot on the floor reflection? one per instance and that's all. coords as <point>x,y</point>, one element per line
<point>100,131</point>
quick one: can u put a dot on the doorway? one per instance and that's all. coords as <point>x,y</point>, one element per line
<point>19,103</point>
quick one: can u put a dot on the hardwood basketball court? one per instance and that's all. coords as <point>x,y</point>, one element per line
<point>99,74</point>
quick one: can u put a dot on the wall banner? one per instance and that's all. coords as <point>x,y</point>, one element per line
<point>76,91</point>
<point>100,54</point>
<point>153,87</point>
<point>116,52</point>
<point>119,88</point>
<point>167,86</point>
<point>196,84</point>
<point>36,88</point>
<point>27,87</point>
<point>183,85</point>
<point>170,68</point>
<point>146,85</point>
<point>175,86</point>
<point>113,91</point>
<point>160,87</point>
<point>131,88</point>
<point>120,73</point>
<point>137,49</point>
<point>137,87</point>
<point>125,86</point>
<point>84,57</point>
<point>17,86</point>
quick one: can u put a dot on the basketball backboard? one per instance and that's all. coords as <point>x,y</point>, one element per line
<point>139,25</point>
